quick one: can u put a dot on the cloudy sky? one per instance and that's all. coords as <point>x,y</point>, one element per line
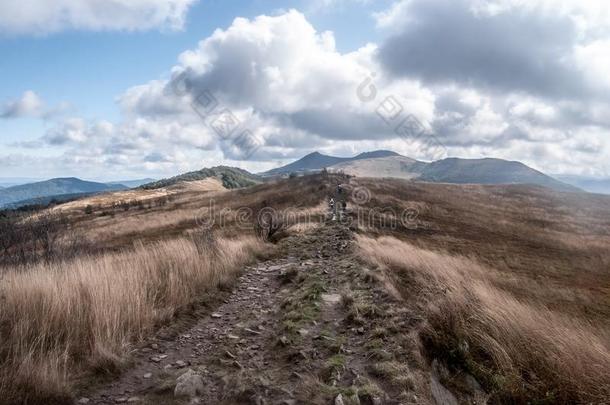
<point>116,89</point>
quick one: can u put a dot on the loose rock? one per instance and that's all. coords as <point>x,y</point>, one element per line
<point>189,384</point>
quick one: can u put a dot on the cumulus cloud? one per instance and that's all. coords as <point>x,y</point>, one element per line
<point>516,49</point>
<point>508,75</point>
<point>31,105</point>
<point>28,105</point>
<point>272,88</point>
<point>283,79</point>
<point>47,16</point>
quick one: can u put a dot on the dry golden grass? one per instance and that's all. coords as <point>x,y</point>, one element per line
<point>522,350</point>
<point>514,282</point>
<point>107,200</point>
<point>59,319</point>
<point>556,244</point>
<point>233,211</point>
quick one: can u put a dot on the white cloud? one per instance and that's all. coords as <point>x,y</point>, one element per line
<point>285,82</point>
<point>47,16</point>
<point>28,105</point>
<point>31,105</point>
<point>295,92</point>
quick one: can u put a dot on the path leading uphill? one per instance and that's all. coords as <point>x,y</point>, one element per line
<point>311,327</point>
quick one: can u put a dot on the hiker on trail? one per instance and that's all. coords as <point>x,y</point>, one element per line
<point>339,190</point>
<point>332,203</point>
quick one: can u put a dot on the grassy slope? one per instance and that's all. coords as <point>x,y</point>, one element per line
<point>513,281</point>
<point>542,256</point>
<point>58,320</point>
<point>231,177</point>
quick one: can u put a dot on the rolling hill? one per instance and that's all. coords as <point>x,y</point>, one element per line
<point>6,182</point>
<point>488,171</point>
<point>45,190</point>
<point>590,184</point>
<point>231,177</point>
<point>131,183</point>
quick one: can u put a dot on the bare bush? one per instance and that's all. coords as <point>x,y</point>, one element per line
<point>268,222</point>
<point>45,235</point>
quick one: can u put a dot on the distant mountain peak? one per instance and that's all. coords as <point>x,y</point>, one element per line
<point>376,154</point>
<point>489,171</point>
<point>318,161</point>
<point>385,163</point>
<point>53,187</point>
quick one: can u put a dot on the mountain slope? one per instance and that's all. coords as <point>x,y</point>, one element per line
<point>313,161</point>
<point>317,161</point>
<point>50,188</point>
<point>392,166</point>
<point>132,183</point>
<point>488,171</point>
<point>6,182</point>
<point>377,154</point>
<point>384,163</point>
<point>231,177</point>
<point>592,185</point>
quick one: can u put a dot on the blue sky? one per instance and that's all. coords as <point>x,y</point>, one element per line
<point>73,82</point>
<point>89,69</point>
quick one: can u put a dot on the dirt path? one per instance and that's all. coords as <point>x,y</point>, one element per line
<point>313,326</point>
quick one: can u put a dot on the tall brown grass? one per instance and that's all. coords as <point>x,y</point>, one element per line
<point>520,349</point>
<point>59,319</point>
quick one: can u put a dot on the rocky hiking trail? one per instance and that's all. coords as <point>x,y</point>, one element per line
<point>313,326</point>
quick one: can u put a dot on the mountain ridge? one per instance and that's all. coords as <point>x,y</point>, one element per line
<point>231,177</point>
<point>61,186</point>
<point>489,171</point>
<point>383,163</point>
<point>319,161</point>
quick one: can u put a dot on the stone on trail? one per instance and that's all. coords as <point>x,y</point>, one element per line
<point>189,384</point>
<point>84,400</point>
<point>331,299</point>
